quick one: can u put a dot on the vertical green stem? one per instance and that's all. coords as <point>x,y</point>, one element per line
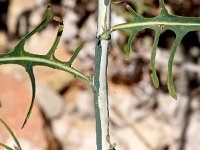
<point>100,77</point>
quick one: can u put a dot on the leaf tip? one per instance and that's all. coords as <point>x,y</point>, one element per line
<point>24,123</point>
<point>155,79</point>
<point>127,58</point>
<point>48,13</point>
<point>171,90</point>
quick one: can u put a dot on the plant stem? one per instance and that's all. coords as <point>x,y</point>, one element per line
<point>100,77</point>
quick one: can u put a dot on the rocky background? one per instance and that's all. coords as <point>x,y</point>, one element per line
<point>141,117</point>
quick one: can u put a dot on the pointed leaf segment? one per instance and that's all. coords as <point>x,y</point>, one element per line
<point>164,21</point>
<point>28,60</point>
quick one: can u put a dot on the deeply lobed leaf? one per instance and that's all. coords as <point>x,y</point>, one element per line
<point>21,57</point>
<point>164,21</point>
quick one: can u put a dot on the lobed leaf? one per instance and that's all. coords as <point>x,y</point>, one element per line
<point>164,21</point>
<point>28,60</point>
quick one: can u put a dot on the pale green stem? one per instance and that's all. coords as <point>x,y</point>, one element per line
<point>100,77</point>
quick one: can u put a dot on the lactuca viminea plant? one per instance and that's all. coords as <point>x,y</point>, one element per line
<point>164,21</point>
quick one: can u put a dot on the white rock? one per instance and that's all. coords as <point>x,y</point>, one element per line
<point>49,101</point>
<point>193,139</point>
<point>69,3</point>
<point>88,31</point>
<point>75,132</point>
<point>15,9</point>
<point>70,28</point>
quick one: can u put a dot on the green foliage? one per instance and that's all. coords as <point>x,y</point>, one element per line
<point>21,57</point>
<point>17,146</point>
<point>164,21</point>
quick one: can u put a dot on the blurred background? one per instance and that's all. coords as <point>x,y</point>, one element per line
<point>63,118</point>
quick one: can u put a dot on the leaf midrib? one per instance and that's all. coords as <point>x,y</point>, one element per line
<point>41,61</point>
<point>150,23</point>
